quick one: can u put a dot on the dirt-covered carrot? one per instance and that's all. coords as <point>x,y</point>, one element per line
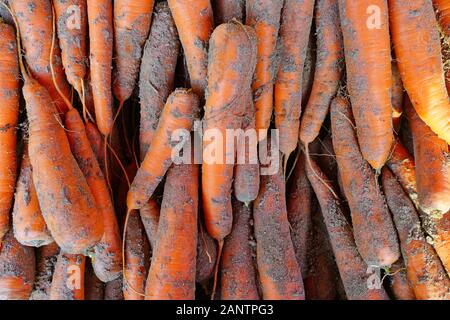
<point>101,38</point>
<point>173,267</point>
<point>352,268</point>
<point>329,66</point>
<point>425,272</point>
<point>396,97</point>
<point>299,202</point>
<point>71,20</point>
<point>179,113</point>
<point>17,267</point>
<point>150,218</point>
<point>157,72</point>
<point>432,158</point>
<point>279,273</point>
<point>194,21</point>
<point>35,20</point>
<point>9,116</point>
<point>264,16</point>
<point>374,231</point>
<point>399,285</point>
<point>5,14</point>
<point>93,286</point>
<point>238,274</point>
<point>309,68</point>
<point>416,41</point>
<point>98,146</point>
<point>226,10</point>
<point>137,258</point>
<point>131,26</point>
<point>113,289</point>
<point>295,28</point>
<point>443,12</point>
<point>46,257</point>
<point>206,255</point>
<point>29,225</point>
<point>365,27</point>
<point>68,277</point>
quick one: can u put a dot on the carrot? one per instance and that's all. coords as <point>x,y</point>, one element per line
<point>432,166</point>
<point>29,225</point>
<point>173,267</point>
<point>113,289</point>
<point>367,47</point>
<point>194,21</point>
<point>71,20</point>
<point>309,68</point>
<point>68,277</point>
<point>329,67</point>
<point>295,28</point>
<point>374,231</point>
<point>279,273</point>
<point>416,42</point>
<point>179,113</point>
<point>107,261</point>
<point>17,267</point>
<point>46,257</point>
<point>35,23</point>
<point>97,143</point>
<point>206,255</point>
<point>226,10</point>
<point>352,268</point>
<point>150,218</point>
<point>396,97</point>
<point>299,206</point>
<point>137,259</point>
<point>94,287</point>
<point>238,274</point>
<point>443,11</point>
<point>157,73</point>
<point>100,19</point>
<point>424,270</point>
<point>399,285</point>
<point>5,14</point>
<point>132,21</point>
<point>9,116</point>
<point>264,16</point>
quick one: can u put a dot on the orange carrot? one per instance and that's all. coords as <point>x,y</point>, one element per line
<point>29,225</point>
<point>238,274</point>
<point>68,277</point>
<point>173,267</point>
<point>179,113</point>
<point>97,143</point>
<point>424,270</point>
<point>443,11</point>
<point>157,73</point>
<point>264,16</point>
<point>367,47</point>
<point>150,219</point>
<point>46,257</point>
<point>206,255</point>
<point>226,10</point>
<point>100,19</point>
<point>194,21</point>
<point>131,26</point>
<point>279,272</point>
<point>374,231</point>
<point>35,22</point>
<point>17,267</point>
<point>9,116</point>
<point>329,66</point>
<point>416,41</point>
<point>295,28</point>
<point>352,268</point>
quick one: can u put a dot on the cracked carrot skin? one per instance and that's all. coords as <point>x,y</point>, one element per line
<point>264,16</point>
<point>180,112</point>
<point>296,20</point>
<point>68,277</point>
<point>369,48</point>
<point>443,12</point>
<point>101,38</point>
<point>194,21</point>
<point>328,72</point>
<point>173,267</point>
<point>9,117</point>
<point>34,18</point>
<point>416,41</point>
<point>352,267</point>
<point>72,35</point>
<point>374,230</point>
<point>424,269</point>
<point>132,21</point>
<point>64,196</point>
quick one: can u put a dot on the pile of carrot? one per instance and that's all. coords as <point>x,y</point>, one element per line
<point>224,149</point>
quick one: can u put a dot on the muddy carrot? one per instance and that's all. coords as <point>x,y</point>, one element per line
<point>398,282</point>
<point>46,257</point>
<point>226,10</point>
<point>309,69</point>
<point>374,231</point>
<point>113,289</point>
<point>97,143</point>
<point>150,218</point>
<point>68,277</point>
<point>206,255</point>
<point>238,274</point>
<point>17,268</point>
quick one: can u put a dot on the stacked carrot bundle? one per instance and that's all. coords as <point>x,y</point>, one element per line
<point>119,178</point>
